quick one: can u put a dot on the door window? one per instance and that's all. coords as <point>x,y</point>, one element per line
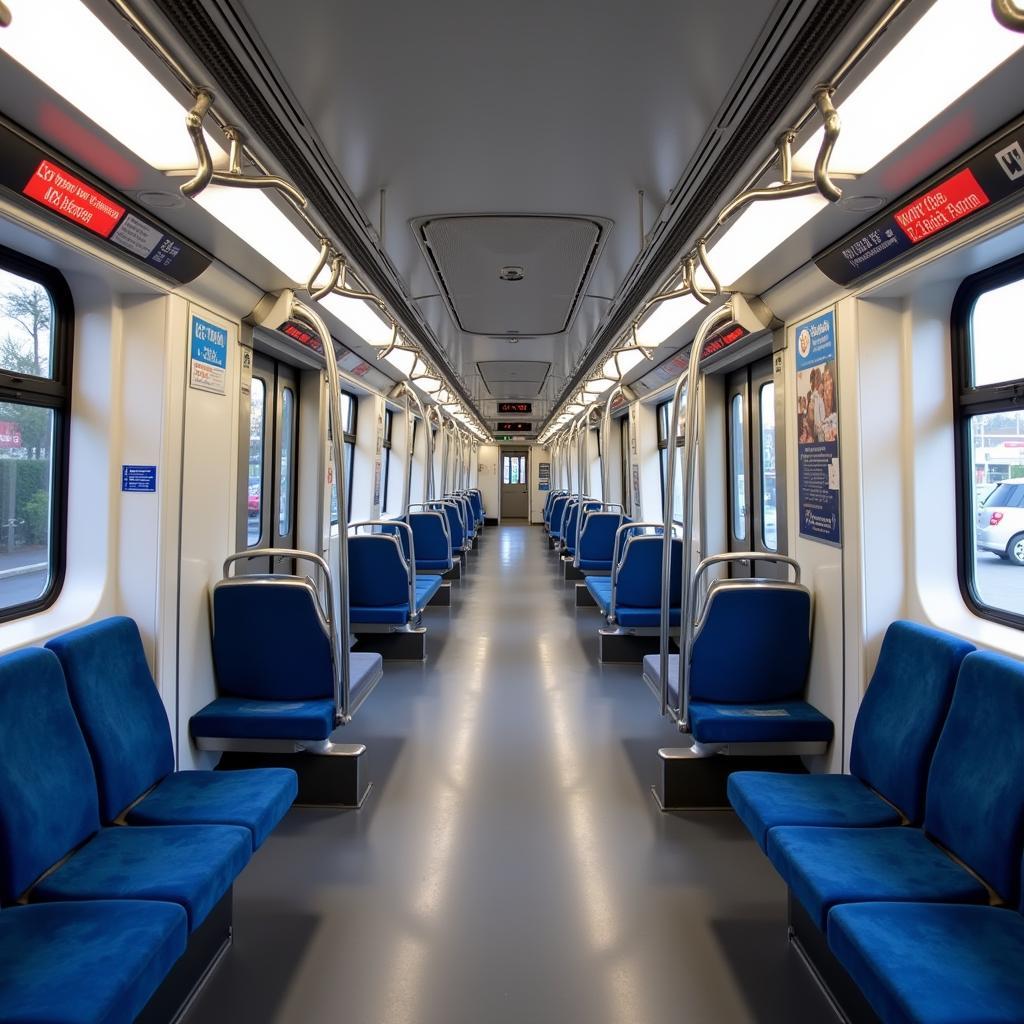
<point>285,488</point>
<point>513,469</point>
<point>769,510</point>
<point>257,432</point>
<point>738,468</point>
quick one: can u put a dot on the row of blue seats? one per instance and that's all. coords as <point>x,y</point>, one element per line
<point>109,858</point>
<point>910,866</point>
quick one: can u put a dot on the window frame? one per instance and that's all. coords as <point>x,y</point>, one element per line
<point>348,443</point>
<point>54,393</point>
<point>970,401</point>
<point>661,412</point>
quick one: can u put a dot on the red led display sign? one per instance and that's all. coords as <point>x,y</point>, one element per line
<point>514,428</point>
<point>723,340</point>
<point>516,408</point>
<point>300,334</point>
<point>942,206</point>
<point>62,192</point>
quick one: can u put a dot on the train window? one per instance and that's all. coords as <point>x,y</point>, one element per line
<point>349,419</point>
<point>624,452</point>
<point>35,353</point>
<point>257,435</point>
<point>284,497</point>
<point>989,370</point>
<point>738,462</point>
<point>513,469</point>
<point>769,511</point>
<point>389,422</point>
<point>663,414</point>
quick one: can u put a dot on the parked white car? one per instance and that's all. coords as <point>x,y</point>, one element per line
<point>1000,521</point>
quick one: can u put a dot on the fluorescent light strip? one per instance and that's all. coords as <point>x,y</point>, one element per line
<point>667,317</point>
<point>362,318</point>
<point>621,363</point>
<point>952,47</point>
<point>252,215</point>
<point>65,45</point>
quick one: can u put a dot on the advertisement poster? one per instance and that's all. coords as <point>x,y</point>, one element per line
<point>209,355</point>
<point>817,419</point>
<point>544,476</point>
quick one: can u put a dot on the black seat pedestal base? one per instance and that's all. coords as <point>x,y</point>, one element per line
<point>206,946</point>
<point>626,648</point>
<point>584,598</point>
<point>454,573</point>
<point>570,572</point>
<point>442,599</point>
<point>551,543</point>
<point>335,779</point>
<point>394,646</point>
<point>687,783</point>
<point>828,972</point>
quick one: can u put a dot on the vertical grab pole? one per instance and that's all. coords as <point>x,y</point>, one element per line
<point>407,480</point>
<point>443,431</point>
<point>339,592</point>
<point>689,379</point>
<point>716,320</point>
<point>606,425</point>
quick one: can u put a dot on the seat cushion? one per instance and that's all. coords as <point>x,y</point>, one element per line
<point>790,721</point>
<point>365,671</point>
<point>765,800</point>
<point>600,588</point>
<point>426,588</point>
<point>191,865</point>
<point>828,866</point>
<point>119,709</point>
<point>387,614</point>
<point>255,799</point>
<point>237,718</point>
<point>86,962</point>
<point>933,964</point>
<point>649,618</point>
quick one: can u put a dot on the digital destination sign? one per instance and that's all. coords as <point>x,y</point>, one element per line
<point>514,428</point>
<point>32,171</point>
<point>994,172</point>
<point>515,408</point>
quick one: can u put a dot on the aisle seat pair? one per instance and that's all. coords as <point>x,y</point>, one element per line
<point>384,588</point>
<point>901,905</point>
<point>631,597</point>
<point>85,745</point>
<point>597,542</point>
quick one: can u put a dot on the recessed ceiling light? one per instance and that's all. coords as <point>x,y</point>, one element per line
<point>511,273</point>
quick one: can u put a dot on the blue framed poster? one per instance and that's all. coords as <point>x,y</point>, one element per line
<point>209,356</point>
<point>817,420</point>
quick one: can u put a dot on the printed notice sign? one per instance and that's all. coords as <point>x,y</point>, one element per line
<point>209,356</point>
<point>138,478</point>
<point>817,418</point>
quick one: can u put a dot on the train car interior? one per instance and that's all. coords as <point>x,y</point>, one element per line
<point>512,513</point>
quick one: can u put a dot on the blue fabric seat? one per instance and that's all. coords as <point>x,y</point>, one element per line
<point>597,541</point>
<point>50,807</point>
<point>600,588</point>
<point>569,527</point>
<point>933,963</point>
<point>431,540</point>
<point>126,730</point>
<point>191,865</point>
<point>974,808</point>
<point>476,500</point>
<point>791,721</point>
<point>238,718</point>
<point>897,727</point>
<point>638,584</point>
<point>379,582</point>
<point>557,513</point>
<point>86,962</point>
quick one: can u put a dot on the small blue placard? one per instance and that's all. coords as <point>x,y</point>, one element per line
<point>138,478</point>
<point>209,349</point>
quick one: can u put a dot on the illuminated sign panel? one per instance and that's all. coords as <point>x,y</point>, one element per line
<point>72,198</point>
<point>516,408</point>
<point>302,335</point>
<point>716,343</point>
<point>992,173</point>
<point>514,428</point>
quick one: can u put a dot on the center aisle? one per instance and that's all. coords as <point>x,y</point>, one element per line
<point>510,864</point>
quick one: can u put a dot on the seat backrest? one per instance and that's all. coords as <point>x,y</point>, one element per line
<point>477,502</point>
<point>770,664</point>
<point>48,802</point>
<point>902,712</point>
<point>118,708</point>
<point>974,805</point>
<point>557,507</point>
<point>638,581</point>
<point>430,536</point>
<point>270,639</point>
<point>572,511</point>
<point>403,538</point>
<point>378,574</point>
<point>455,528</point>
<point>597,535</point>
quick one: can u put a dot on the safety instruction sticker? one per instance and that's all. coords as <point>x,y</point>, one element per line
<point>209,356</point>
<point>138,478</point>
<point>817,419</point>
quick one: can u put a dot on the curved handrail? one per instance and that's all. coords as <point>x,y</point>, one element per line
<point>1008,14</point>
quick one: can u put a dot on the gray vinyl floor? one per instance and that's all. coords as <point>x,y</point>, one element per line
<point>510,864</point>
